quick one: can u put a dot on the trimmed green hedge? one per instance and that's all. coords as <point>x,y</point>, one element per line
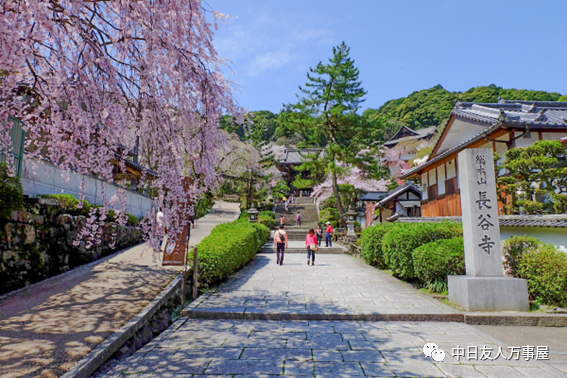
<point>433,261</point>
<point>267,218</point>
<point>227,248</point>
<point>542,265</point>
<point>371,243</point>
<point>400,242</point>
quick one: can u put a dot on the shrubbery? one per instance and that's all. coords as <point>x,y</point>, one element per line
<point>11,193</point>
<point>227,248</point>
<point>542,265</point>
<point>329,215</point>
<point>371,243</point>
<point>267,218</point>
<point>434,261</point>
<point>514,248</point>
<point>399,244</point>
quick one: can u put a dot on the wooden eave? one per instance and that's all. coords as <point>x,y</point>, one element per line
<point>453,155</point>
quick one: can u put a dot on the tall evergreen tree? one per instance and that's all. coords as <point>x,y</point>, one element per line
<point>326,111</point>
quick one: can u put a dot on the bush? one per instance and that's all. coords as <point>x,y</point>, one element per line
<point>514,248</point>
<point>399,244</point>
<point>267,221</point>
<point>227,248</point>
<point>545,269</point>
<point>329,215</point>
<point>69,204</point>
<point>434,261</point>
<point>11,193</point>
<point>371,243</point>
<point>132,220</point>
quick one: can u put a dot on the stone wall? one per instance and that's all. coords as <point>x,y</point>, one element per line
<point>37,243</point>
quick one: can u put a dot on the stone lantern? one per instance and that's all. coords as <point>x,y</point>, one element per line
<point>253,213</point>
<point>351,215</point>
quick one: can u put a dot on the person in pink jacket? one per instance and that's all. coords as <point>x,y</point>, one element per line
<point>311,245</point>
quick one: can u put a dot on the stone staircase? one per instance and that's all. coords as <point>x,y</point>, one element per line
<point>296,234</point>
<point>307,209</point>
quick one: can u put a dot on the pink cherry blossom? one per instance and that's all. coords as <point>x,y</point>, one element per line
<point>88,78</point>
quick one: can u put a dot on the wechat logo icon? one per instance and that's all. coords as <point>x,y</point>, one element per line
<point>431,350</point>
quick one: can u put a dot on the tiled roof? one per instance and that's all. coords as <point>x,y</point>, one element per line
<point>293,156</point>
<point>421,133</point>
<point>373,196</point>
<point>396,192</point>
<point>513,114</point>
<point>552,220</point>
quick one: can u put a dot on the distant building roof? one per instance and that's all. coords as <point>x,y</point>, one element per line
<point>410,135</point>
<point>552,220</point>
<point>394,194</point>
<point>295,156</point>
<point>373,196</point>
<point>522,115</point>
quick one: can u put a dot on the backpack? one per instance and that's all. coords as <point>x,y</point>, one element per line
<point>281,238</point>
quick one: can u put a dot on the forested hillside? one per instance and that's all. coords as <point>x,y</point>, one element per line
<point>424,108</point>
<point>429,107</point>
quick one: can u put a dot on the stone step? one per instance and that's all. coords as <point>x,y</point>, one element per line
<point>322,250</point>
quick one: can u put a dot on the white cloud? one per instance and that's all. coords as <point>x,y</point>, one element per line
<point>267,43</point>
<point>269,60</point>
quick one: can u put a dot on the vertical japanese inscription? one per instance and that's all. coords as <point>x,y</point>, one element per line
<point>484,203</point>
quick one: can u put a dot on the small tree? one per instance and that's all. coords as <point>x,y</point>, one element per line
<point>535,179</point>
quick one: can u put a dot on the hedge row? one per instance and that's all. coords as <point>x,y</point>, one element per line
<point>542,265</point>
<point>227,248</point>
<point>398,246</point>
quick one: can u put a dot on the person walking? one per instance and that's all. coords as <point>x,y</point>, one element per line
<point>319,233</point>
<point>286,208</point>
<point>281,244</point>
<point>298,219</point>
<point>311,245</point>
<point>329,235</point>
<point>282,220</point>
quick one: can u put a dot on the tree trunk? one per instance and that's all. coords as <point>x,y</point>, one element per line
<point>338,197</point>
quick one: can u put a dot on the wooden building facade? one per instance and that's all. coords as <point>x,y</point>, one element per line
<point>500,127</point>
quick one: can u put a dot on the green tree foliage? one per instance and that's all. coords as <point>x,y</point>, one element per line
<point>11,193</point>
<point>326,112</point>
<point>535,178</point>
<point>429,107</point>
<point>264,118</point>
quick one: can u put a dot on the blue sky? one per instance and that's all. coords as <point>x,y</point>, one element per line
<point>399,46</point>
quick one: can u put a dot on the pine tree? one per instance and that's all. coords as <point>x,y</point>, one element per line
<point>327,111</point>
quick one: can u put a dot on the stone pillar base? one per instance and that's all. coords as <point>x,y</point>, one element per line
<point>489,293</point>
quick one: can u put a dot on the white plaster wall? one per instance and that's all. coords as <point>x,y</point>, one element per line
<point>424,185</point>
<point>553,136</point>
<point>432,177</point>
<point>549,235</point>
<point>451,169</point>
<point>47,179</point>
<point>526,142</point>
<point>441,176</point>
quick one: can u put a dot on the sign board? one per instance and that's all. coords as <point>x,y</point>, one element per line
<point>370,209</point>
<point>174,252</point>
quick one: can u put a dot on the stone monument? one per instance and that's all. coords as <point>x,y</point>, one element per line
<point>484,287</point>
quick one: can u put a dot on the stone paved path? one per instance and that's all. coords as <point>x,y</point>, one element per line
<point>239,348</point>
<point>45,329</point>
<point>337,284</point>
